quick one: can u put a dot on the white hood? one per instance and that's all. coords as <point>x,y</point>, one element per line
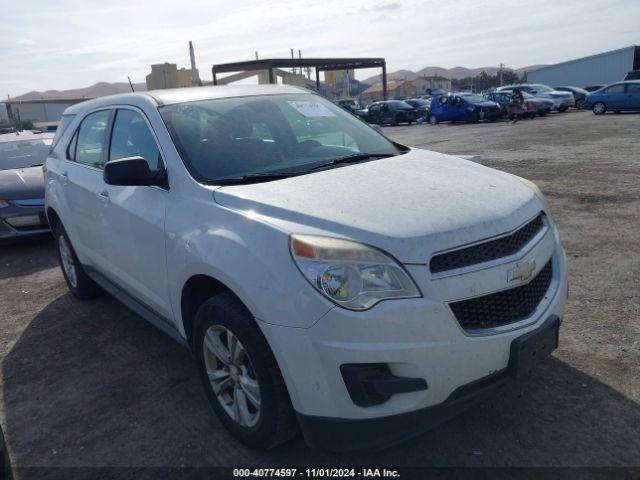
<point>411,205</point>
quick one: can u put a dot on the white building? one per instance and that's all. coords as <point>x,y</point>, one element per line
<point>603,68</point>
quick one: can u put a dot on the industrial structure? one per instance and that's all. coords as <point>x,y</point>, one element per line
<point>603,68</point>
<point>269,69</point>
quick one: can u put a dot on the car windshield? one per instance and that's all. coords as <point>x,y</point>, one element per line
<point>232,138</point>
<point>473,98</point>
<point>23,153</point>
<point>417,102</point>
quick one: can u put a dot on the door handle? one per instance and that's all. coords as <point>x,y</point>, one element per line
<point>104,196</point>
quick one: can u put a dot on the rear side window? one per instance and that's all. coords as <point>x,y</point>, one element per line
<point>90,139</point>
<point>131,137</point>
<point>64,123</point>
<point>615,88</point>
<point>633,88</point>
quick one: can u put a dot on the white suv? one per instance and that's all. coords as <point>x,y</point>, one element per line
<point>323,276</point>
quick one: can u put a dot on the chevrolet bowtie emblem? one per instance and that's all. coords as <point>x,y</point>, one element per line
<point>522,271</point>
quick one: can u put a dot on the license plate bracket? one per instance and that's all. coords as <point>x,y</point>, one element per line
<point>531,348</point>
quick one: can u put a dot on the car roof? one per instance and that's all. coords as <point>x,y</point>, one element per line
<point>171,96</point>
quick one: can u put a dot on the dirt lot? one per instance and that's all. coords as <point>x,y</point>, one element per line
<point>92,384</point>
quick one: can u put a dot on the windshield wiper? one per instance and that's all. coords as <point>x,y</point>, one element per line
<point>252,178</point>
<point>356,157</point>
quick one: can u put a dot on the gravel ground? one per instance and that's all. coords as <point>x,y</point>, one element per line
<point>92,384</point>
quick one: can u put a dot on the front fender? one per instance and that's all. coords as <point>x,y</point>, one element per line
<point>247,255</point>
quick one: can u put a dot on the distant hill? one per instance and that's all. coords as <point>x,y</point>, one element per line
<point>455,72</point>
<point>98,90</point>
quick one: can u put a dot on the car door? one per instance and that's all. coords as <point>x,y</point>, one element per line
<point>615,96</point>
<point>633,95</point>
<point>374,113</point>
<point>457,107</point>
<point>134,216</point>
<point>80,172</point>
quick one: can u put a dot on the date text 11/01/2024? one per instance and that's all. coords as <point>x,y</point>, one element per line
<point>316,472</point>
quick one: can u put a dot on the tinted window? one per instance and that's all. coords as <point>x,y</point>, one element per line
<point>233,137</point>
<point>91,139</point>
<point>131,137</point>
<point>615,88</point>
<point>633,88</point>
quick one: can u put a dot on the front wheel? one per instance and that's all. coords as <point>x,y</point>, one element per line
<point>599,108</point>
<point>580,104</point>
<point>240,374</point>
<point>80,284</point>
<point>433,120</point>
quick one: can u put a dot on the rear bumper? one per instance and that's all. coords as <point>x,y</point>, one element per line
<point>339,434</point>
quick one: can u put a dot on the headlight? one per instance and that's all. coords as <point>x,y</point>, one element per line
<point>350,274</point>
<point>4,203</point>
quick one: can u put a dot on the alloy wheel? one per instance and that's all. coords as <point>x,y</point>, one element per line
<point>66,259</point>
<point>232,376</point>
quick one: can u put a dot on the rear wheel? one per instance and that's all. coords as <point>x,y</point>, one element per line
<point>599,108</point>
<point>80,284</point>
<point>240,374</point>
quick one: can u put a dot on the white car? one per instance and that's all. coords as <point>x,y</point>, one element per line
<point>324,277</point>
<point>562,100</point>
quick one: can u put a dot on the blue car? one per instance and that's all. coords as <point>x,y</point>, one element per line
<point>462,107</point>
<point>616,97</point>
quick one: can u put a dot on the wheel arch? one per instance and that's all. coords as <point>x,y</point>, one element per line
<point>53,218</point>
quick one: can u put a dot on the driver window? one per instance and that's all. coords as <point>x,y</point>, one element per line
<point>131,137</point>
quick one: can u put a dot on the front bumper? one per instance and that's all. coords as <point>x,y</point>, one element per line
<point>415,338</point>
<point>23,218</point>
<point>337,434</point>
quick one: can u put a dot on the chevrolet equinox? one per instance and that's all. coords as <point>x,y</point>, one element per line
<point>325,278</point>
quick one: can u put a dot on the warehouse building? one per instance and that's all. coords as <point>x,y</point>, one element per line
<point>603,68</point>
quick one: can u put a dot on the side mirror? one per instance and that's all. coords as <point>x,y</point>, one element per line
<point>132,171</point>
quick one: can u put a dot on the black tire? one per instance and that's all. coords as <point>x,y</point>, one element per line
<point>562,109</point>
<point>433,120</point>
<point>580,104</point>
<point>543,113</point>
<point>473,117</point>
<point>599,108</point>
<point>276,423</point>
<point>395,121</point>
<point>85,288</point>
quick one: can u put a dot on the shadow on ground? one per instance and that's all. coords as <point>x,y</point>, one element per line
<point>26,256</point>
<point>92,384</point>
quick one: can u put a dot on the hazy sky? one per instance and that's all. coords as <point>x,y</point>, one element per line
<point>61,44</point>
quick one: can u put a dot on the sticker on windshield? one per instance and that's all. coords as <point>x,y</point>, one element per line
<point>312,109</point>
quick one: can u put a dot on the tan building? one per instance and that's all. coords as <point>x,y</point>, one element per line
<point>395,89</point>
<point>168,75</point>
<point>422,84</point>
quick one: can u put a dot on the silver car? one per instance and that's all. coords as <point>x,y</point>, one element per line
<point>22,155</point>
<point>561,100</point>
